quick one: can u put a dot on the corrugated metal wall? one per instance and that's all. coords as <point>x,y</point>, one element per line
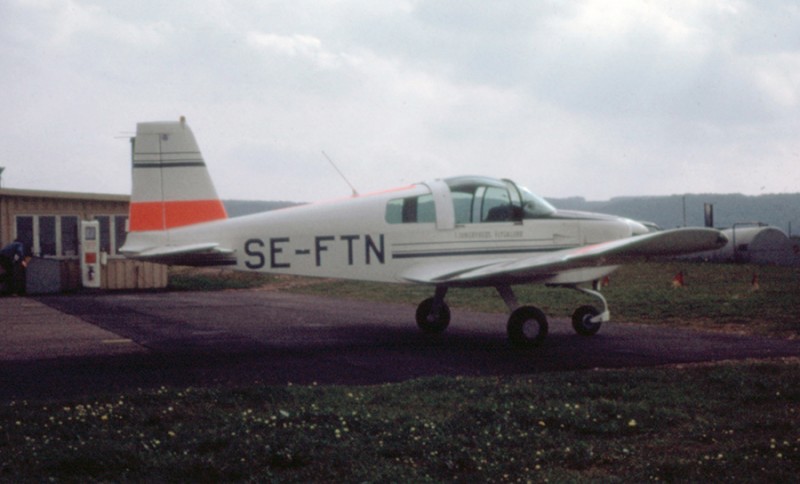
<point>132,274</point>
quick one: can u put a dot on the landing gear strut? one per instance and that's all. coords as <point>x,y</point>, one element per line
<point>527,325</point>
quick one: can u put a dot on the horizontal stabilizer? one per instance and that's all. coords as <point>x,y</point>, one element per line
<point>203,254</point>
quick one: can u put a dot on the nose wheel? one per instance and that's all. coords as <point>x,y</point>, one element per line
<point>584,320</point>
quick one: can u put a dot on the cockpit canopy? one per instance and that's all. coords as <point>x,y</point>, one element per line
<point>475,200</point>
<point>483,199</point>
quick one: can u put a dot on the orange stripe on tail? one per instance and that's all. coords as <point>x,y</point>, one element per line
<point>145,216</point>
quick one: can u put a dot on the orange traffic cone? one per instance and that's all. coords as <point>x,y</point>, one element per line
<point>677,281</point>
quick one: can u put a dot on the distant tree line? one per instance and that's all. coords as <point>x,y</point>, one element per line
<point>778,210</point>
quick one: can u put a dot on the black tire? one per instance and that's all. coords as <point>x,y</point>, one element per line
<point>527,327</point>
<point>581,321</point>
<point>429,322</point>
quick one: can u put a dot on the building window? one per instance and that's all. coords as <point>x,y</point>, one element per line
<point>25,231</point>
<point>105,233</point>
<point>69,236</point>
<point>112,237</point>
<point>120,231</point>
<point>58,236</point>
<point>47,236</point>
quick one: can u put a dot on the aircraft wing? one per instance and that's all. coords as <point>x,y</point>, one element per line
<point>202,254</point>
<point>549,265</point>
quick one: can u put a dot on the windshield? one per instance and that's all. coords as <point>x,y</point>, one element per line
<point>534,206</point>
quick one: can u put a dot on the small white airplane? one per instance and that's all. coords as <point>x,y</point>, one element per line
<point>457,232</point>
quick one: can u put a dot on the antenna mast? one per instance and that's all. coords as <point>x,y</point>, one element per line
<point>355,193</point>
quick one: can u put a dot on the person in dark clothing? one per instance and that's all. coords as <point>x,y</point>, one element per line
<point>14,259</point>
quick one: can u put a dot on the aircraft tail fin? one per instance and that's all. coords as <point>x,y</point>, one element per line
<point>171,184</point>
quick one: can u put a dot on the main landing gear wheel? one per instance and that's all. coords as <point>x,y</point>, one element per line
<point>582,321</point>
<point>432,319</point>
<point>527,327</point>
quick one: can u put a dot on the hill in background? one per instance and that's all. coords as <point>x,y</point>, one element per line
<point>780,210</point>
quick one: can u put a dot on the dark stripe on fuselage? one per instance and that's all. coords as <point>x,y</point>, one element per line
<point>168,159</point>
<point>168,164</point>
<point>456,253</point>
<point>540,241</point>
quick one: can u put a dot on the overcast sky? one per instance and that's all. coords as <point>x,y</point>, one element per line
<point>586,98</point>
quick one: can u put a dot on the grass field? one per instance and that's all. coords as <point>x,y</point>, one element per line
<point>709,423</point>
<point>714,296</point>
<point>730,421</point>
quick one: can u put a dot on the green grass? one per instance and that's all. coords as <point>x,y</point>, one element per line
<point>736,422</point>
<point>192,279</point>
<point>715,296</point>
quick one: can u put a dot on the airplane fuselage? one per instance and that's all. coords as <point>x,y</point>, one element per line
<point>378,237</point>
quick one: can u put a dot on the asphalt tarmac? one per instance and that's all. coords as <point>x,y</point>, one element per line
<point>90,344</point>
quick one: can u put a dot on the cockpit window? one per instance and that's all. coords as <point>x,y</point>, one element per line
<point>496,205</point>
<point>475,200</point>
<point>411,210</point>
<point>480,199</point>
